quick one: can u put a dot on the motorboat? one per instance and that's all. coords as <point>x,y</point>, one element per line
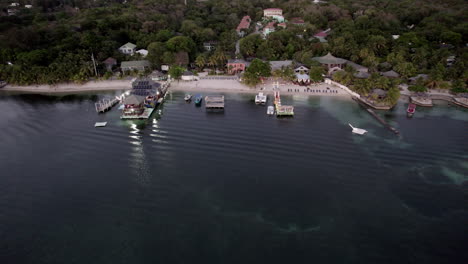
<point>198,100</point>
<point>260,98</point>
<point>358,131</point>
<point>270,110</point>
<point>187,97</point>
<point>411,110</point>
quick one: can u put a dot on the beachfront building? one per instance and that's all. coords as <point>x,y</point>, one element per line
<point>301,69</point>
<point>128,49</point>
<point>331,63</point>
<point>188,76</point>
<point>110,63</point>
<point>157,76</point>
<point>134,105</point>
<point>243,25</point>
<point>236,66</point>
<point>140,66</point>
<point>302,79</point>
<point>279,65</point>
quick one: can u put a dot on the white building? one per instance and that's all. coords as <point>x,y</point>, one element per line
<point>128,49</point>
<point>270,12</point>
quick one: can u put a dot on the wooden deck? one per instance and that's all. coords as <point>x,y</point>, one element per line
<point>105,105</point>
<point>146,114</point>
<point>214,102</point>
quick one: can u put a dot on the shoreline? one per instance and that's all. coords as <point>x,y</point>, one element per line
<point>204,85</point>
<point>217,85</point>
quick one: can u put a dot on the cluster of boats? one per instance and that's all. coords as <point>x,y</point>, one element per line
<point>198,99</point>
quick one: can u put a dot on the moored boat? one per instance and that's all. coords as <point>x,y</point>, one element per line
<point>187,97</point>
<point>260,98</point>
<point>271,110</point>
<point>411,109</point>
<point>2,84</point>
<point>198,100</point>
<point>358,131</point>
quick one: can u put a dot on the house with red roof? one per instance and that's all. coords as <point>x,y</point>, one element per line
<point>322,35</point>
<point>270,27</point>
<point>297,21</point>
<point>244,24</point>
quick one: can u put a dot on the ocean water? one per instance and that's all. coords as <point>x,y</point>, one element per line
<point>188,186</point>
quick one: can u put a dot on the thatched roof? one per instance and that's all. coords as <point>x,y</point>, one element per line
<point>390,74</point>
<point>330,59</point>
<point>361,75</point>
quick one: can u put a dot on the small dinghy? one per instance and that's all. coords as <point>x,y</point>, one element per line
<point>271,110</point>
<point>187,97</point>
<point>100,124</point>
<point>411,109</point>
<point>359,131</point>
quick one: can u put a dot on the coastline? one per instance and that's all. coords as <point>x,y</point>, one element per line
<point>210,85</point>
<point>92,86</point>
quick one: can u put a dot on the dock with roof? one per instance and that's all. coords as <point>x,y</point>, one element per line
<point>214,102</point>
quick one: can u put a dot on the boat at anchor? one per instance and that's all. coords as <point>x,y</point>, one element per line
<point>411,110</point>
<point>358,131</point>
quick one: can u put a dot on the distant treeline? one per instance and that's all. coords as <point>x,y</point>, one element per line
<point>53,41</point>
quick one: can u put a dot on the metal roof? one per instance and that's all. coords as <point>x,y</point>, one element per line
<point>330,59</point>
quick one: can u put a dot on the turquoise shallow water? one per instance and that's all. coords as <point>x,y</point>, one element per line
<point>189,186</point>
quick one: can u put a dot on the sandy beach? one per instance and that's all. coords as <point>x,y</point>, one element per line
<point>91,86</point>
<point>229,85</point>
<point>203,85</point>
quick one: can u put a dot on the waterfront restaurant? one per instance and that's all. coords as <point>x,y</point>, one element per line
<point>330,62</point>
<point>133,105</point>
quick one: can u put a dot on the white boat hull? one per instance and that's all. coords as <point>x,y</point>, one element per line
<point>358,131</point>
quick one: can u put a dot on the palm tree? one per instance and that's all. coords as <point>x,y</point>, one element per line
<point>200,61</point>
<point>220,57</point>
<point>212,61</point>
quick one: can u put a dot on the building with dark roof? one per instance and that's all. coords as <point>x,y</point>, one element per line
<point>135,65</point>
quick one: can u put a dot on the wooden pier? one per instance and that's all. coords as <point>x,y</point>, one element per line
<point>282,110</point>
<point>214,102</point>
<point>105,105</point>
<point>380,119</point>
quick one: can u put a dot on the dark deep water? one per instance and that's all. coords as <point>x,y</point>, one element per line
<point>188,186</point>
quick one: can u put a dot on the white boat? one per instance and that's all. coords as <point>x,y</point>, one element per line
<point>100,124</point>
<point>359,131</point>
<point>260,98</point>
<point>270,110</point>
<point>187,97</point>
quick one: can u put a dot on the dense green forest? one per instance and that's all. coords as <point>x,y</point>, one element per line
<point>54,40</point>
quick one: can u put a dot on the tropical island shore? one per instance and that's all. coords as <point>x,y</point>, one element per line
<point>203,85</point>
